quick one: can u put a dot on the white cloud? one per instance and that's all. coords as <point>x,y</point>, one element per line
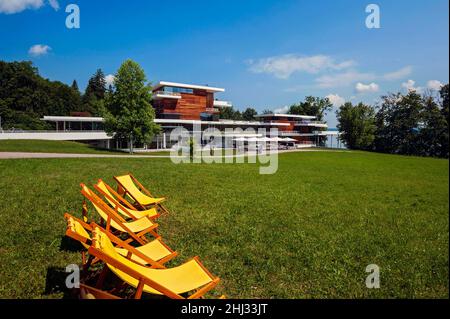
<point>54,4</point>
<point>109,79</point>
<point>335,99</point>
<point>434,85</point>
<point>410,86</point>
<point>14,6</point>
<point>366,88</point>
<point>284,66</point>
<point>281,110</point>
<point>343,79</point>
<point>39,49</point>
<point>399,74</point>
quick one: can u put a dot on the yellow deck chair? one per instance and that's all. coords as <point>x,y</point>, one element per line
<point>129,185</point>
<point>136,229</point>
<point>88,292</point>
<point>126,209</point>
<point>155,253</point>
<point>191,276</point>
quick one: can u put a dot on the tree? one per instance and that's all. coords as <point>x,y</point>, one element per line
<point>413,124</point>
<point>249,114</point>
<point>314,106</point>
<point>25,97</point>
<point>444,93</point>
<point>433,135</point>
<point>128,111</point>
<point>229,113</point>
<point>96,85</point>
<point>94,95</point>
<point>75,86</point>
<point>267,111</point>
<point>356,123</point>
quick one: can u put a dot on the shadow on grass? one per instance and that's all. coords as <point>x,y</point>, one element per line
<point>55,283</point>
<point>68,244</point>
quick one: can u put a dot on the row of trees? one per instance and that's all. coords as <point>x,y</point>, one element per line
<point>314,106</point>
<point>25,96</point>
<point>230,113</point>
<point>411,124</point>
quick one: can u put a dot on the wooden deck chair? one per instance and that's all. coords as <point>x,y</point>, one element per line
<point>126,209</point>
<point>129,185</point>
<point>135,229</point>
<point>153,254</point>
<point>88,292</point>
<point>191,276</point>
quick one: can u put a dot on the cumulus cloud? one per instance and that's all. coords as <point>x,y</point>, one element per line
<point>410,85</point>
<point>281,110</point>
<point>39,49</point>
<point>54,4</point>
<point>284,66</point>
<point>109,79</point>
<point>14,6</point>
<point>335,99</point>
<point>366,88</point>
<point>399,74</point>
<point>434,85</point>
<point>343,79</point>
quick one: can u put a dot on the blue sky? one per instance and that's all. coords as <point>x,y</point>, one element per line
<point>266,54</point>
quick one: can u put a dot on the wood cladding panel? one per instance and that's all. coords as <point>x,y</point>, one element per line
<point>188,107</point>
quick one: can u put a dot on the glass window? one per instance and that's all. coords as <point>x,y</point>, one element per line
<point>173,89</point>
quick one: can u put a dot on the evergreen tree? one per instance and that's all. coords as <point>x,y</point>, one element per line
<point>249,114</point>
<point>75,86</point>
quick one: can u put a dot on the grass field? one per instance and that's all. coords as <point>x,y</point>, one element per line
<point>308,231</point>
<point>45,146</point>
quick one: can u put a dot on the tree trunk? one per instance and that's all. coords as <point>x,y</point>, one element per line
<point>131,144</point>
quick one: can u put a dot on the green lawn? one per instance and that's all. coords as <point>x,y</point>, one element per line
<point>308,231</point>
<point>44,146</point>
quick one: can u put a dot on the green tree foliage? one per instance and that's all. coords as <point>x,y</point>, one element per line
<point>249,114</point>
<point>357,125</point>
<point>444,94</point>
<point>229,113</point>
<point>412,125</point>
<point>128,111</point>
<point>93,98</point>
<point>25,97</point>
<point>75,86</point>
<point>314,106</point>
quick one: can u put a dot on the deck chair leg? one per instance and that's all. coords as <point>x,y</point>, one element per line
<point>139,290</point>
<point>101,278</point>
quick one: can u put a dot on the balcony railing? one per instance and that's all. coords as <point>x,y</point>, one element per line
<point>310,123</point>
<point>166,93</point>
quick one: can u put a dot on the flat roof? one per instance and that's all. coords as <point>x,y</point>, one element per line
<point>72,119</point>
<point>163,121</point>
<point>220,122</point>
<point>187,86</point>
<point>306,117</point>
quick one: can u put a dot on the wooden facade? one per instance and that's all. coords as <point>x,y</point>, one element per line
<point>189,107</point>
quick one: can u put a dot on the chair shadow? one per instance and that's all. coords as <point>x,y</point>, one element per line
<point>70,245</point>
<point>55,282</point>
